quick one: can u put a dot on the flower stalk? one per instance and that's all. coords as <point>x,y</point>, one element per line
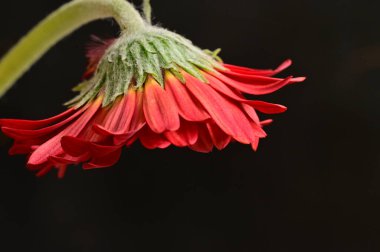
<point>147,9</point>
<point>58,25</point>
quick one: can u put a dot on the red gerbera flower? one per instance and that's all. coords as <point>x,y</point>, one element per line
<point>155,87</point>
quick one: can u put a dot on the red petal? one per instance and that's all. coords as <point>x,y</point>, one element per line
<point>22,134</point>
<point>223,88</point>
<point>189,109</point>
<point>256,85</point>
<point>96,50</point>
<point>138,119</point>
<point>228,116</point>
<point>74,146</point>
<point>131,140</point>
<point>129,110</point>
<point>67,160</point>
<point>204,143</point>
<point>261,106</point>
<point>266,122</point>
<point>53,146</point>
<point>44,170</point>
<point>267,72</point>
<point>98,150</point>
<point>35,124</point>
<point>151,140</point>
<point>250,111</point>
<point>119,117</point>
<point>137,122</point>
<point>112,119</point>
<point>26,146</point>
<point>61,171</point>
<point>252,87</point>
<point>219,138</point>
<point>185,136</point>
<point>254,79</point>
<point>128,121</point>
<point>78,147</point>
<point>255,143</point>
<point>268,108</point>
<point>104,161</point>
<point>160,109</point>
<point>18,149</point>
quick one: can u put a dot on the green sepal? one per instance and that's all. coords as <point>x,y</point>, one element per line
<point>131,59</point>
<point>215,54</point>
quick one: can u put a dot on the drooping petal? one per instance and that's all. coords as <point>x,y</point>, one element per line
<point>61,171</point>
<point>268,108</point>
<point>228,116</point>
<point>251,112</point>
<point>152,140</point>
<point>127,114</point>
<point>128,134</point>
<point>224,89</point>
<point>22,134</point>
<point>160,109</point>
<point>245,70</point>
<point>27,146</point>
<point>138,119</point>
<point>264,107</point>
<point>119,118</point>
<point>255,79</point>
<point>255,143</point>
<point>256,85</point>
<point>35,124</point>
<point>65,159</point>
<point>103,161</point>
<point>45,169</point>
<point>254,88</point>
<point>218,137</point>
<point>19,149</point>
<point>266,122</point>
<point>204,143</point>
<point>73,146</point>
<point>131,119</point>
<point>189,108</point>
<point>99,155</point>
<point>113,116</point>
<point>53,146</point>
<point>186,135</point>
<point>90,144</point>
<point>99,150</point>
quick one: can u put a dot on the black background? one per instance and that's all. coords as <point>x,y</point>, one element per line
<point>314,184</point>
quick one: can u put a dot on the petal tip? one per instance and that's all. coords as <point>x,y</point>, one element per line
<point>298,79</point>
<point>287,63</point>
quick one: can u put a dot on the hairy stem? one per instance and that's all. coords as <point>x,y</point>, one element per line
<point>58,25</point>
<point>147,9</point>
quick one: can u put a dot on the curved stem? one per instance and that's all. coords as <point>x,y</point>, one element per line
<point>147,9</point>
<point>58,25</point>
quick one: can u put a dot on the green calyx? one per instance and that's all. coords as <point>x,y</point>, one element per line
<point>131,59</point>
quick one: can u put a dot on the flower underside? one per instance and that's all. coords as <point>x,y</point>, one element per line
<point>155,87</point>
<point>129,61</point>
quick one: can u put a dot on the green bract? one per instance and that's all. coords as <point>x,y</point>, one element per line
<point>130,59</point>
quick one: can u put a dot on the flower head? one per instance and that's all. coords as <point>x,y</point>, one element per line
<point>155,87</point>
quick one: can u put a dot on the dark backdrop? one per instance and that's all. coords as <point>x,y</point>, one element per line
<point>314,184</point>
